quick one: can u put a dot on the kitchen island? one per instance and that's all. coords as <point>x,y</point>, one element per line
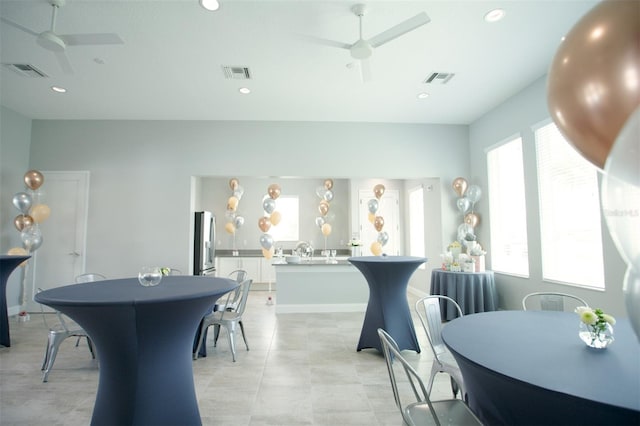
<point>317,286</point>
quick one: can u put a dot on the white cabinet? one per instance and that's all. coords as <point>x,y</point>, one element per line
<point>253,266</point>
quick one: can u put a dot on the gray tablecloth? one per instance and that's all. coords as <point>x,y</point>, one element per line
<point>474,291</point>
<point>531,368</point>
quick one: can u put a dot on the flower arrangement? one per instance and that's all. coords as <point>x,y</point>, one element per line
<point>599,332</point>
<point>469,237</point>
<point>354,243</point>
<point>165,271</point>
<point>454,245</point>
<point>477,250</point>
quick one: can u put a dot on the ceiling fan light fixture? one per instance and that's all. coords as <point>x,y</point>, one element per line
<point>494,15</point>
<point>361,49</point>
<point>50,41</point>
<point>210,5</point>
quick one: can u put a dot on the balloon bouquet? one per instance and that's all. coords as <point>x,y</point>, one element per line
<point>325,194</point>
<point>32,213</point>
<point>271,217</point>
<point>234,221</point>
<point>593,94</point>
<point>378,221</point>
<point>469,196</point>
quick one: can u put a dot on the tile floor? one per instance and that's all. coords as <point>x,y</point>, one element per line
<point>302,369</point>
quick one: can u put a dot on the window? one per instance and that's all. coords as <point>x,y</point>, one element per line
<point>569,212</point>
<point>416,223</point>
<point>288,228</point>
<point>507,209</point>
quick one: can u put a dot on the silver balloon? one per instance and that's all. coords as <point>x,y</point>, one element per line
<point>320,221</point>
<point>22,201</point>
<point>383,238</point>
<point>328,195</point>
<point>266,241</point>
<point>31,238</point>
<point>473,193</point>
<point>239,221</point>
<point>373,205</point>
<point>463,204</point>
<point>239,192</point>
<point>321,191</point>
<point>269,205</point>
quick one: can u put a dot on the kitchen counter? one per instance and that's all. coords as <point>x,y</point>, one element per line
<point>258,253</point>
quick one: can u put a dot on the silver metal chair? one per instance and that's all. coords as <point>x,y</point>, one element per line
<point>239,275</point>
<point>428,310</point>
<point>228,319</point>
<point>551,301</point>
<point>423,411</point>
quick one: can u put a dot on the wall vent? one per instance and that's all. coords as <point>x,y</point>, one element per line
<point>25,70</point>
<point>439,78</point>
<point>236,73</point>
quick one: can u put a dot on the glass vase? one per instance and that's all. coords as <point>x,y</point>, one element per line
<point>596,339</point>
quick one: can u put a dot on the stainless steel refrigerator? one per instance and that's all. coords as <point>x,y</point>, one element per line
<point>204,244</point>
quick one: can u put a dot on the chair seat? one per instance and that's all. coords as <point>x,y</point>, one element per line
<point>450,412</point>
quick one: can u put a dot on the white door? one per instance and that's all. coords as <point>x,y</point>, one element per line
<point>61,257</point>
<point>389,209</point>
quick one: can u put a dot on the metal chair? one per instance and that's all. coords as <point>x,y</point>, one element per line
<point>239,275</point>
<point>428,310</point>
<point>423,411</point>
<point>551,301</point>
<point>227,318</point>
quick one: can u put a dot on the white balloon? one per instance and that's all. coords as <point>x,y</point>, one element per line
<point>328,195</point>
<point>463,204</point>
<point>473,193</point>
<point>320,221</point>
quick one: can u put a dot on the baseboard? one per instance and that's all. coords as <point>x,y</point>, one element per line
<point>320,308</point>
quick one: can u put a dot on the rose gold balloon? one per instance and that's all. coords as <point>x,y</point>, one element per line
<point>593,84</point>
<point>275,218</point>
<point>323,208</point>
<point>264,224</point>
<point>378,190</point>
<point>40,213</point>
<point>33,179</point>
<point>328,184</point>
<point>378,223</point>
<point>460,186</point>
<point>376,248</point>
<point>326,229</point>
<point>471,219</point>
<point>234,183</point>
<point>23,221</point>
<point>274,191</point>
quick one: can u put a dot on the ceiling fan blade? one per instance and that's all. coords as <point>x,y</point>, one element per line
<point>365,70</point>
<point>18,26</point>
<point>91,39</point>
<point>402,28</point>
<point>63,60</point>
<point>326,42</point>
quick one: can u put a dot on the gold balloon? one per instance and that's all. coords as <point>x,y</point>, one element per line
<point>232,203</point>
<point>471,219</point>
<point>234,183</point>
<point>268,254</point>
<point>328,184</point>
<point>593,81</point>
<point>275,218</point>
<point>323,208</point>
<point>274,191</point>
<point>460,186</point>
<point>33,179</point>
<point>378,223</point>
<point>378,190</point>
<point>23,221</point>
<point>371,217</point>
<point>264,224</point>
<point>40,213</point>
<point>376,248</point>
<point>326,229</point>
<point>18,251</point>
<point>230,228</point>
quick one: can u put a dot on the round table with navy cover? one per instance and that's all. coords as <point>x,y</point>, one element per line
<point>388,307</point>
<point>7,264</point>
<point>144,339</point>
<point>473,291</point>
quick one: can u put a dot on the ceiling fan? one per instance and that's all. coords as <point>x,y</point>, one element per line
<point>58,43</point>
<point>363,49</point>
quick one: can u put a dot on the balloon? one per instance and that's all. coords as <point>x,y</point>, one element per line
<point>239,221</point>
<point>326,229</point>
<point>473,193</point>
<point>463,230</point>
<point>328,195</point>
<point>593,80</point>
<point>233,184</point>
<point>320,221</point>
<point>269,205</point>
<point>471,219</point>
<point>376,248</point>
<point>273,190</point>
<point>378,190</point>
<point>264,224</point>
<point>33,179</point>
<point>276,217</point>
<point>40,213</point>
<point>328,183</point>
<point>238,192</point>
<point>31,238</point>
<point>232,203</point>
<point>371,217</point>
<point>18,251</point>
<point>23,221</point>
<point>268,254</point>
<point>230,214</point>
<point>631,291</point>
<point>460,186</point>
<point>230,228</point>
<point>323,208</point>
<point>383,238</point>
<point>373,205</point>
<point>463,204</point>
<point>22,201</point>
<point>266,241</point>
<point>320,191</point>
<point>378,223</point>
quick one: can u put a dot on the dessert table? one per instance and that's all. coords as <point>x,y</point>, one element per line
<point>144,340</point>
<point>531,368</point>
<point>7,264</point>
<point>388,307</point>
<point>474,291</point>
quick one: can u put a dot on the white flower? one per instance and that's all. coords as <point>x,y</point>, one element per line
<point>608,318</point>
<point>588,317</point>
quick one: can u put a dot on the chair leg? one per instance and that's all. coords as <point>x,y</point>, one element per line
<point>200,342</point>
<point>52,350</point>
<point>243,335</point>
<point>454,388</point>
<point>90,344</point>
<point>216,334</point>
<point>435,368</point>
<point>231,334</point>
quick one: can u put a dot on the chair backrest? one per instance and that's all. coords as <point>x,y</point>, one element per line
<point>551,301</point>
<point>174,271</point>
<point>89,277</point>
<point>239,307</point>
<point>428,310</point>
<point>239,275</point>
<point>391,352</point>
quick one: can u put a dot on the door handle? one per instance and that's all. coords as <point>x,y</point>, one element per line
<point>74,254</point>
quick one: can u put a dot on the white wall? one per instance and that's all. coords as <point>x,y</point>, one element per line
<point>516,116</point>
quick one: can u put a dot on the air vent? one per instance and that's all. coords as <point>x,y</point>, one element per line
<point>439,78</point>
<point>236,73</point>
<point>25,70</point>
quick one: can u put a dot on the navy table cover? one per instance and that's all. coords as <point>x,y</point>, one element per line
<point>388,308</point>
<point>474,291</point>
<point>531,368</point>
<point>7,264</point>
<point>144,339</point>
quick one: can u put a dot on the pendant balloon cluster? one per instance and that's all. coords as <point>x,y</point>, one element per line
<point>378,221</point>
<point>234,220</point>
<point>32,214</point>
<point>325,194</point>
<point>271,217</point>
<point>469,196</point>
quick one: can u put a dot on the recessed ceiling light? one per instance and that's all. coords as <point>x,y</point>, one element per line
<point>58,89</point>
<point>210,4</point>
<point>494,15</point>
<point>422,95</point>
<point>244,90</point>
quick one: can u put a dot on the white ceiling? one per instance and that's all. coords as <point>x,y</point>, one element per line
<point>169,67</point>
